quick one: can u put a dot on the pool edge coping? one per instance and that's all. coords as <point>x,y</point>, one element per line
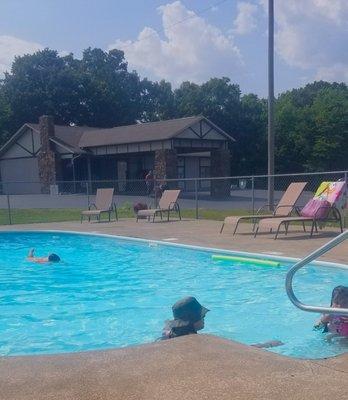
<point>284,259</point>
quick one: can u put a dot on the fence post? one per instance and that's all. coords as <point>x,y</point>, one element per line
<point>196,198</point>
<point>87,191</point>
<point>154,192</point>
<point>74,187</point>
<point>346,205</point>
<point>253,194</point>
<point>9,209</point>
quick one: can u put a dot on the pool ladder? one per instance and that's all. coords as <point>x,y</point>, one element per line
<point>300,264</point>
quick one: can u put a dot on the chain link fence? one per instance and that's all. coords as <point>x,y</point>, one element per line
<point>212,198</point>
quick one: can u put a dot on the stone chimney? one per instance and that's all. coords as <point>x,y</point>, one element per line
<point>46,127</point>
<point>47,156</point>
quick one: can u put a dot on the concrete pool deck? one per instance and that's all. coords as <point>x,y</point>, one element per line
<point>206,233</point>
<point>192,367</point>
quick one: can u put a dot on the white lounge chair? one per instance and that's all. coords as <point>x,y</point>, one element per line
<point>103,204</point>
<point>167,203</point>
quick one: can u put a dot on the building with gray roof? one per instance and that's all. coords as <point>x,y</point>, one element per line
<point>45,154</point>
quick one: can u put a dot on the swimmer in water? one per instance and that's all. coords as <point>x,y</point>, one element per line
<point>335,324</point>
<point>42,260</point>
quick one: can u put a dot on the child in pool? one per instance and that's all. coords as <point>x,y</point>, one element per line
<point>42,260</point>
<point>188,319</point>
<point>335,324</point>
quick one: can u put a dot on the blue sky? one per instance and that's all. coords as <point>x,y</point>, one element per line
<point>189,39</point>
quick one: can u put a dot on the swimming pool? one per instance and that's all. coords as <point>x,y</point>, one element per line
<point>110,292</point>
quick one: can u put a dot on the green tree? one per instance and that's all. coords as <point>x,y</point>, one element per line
<point>250,150</point>
<point>110,95</point>
<point>329,114</point>
<point>217,99</point>
<point>96,90</point>
<point>42,83</point>
<point>312,128</point>
<point>157,101</point>
<point>188,99</point>
<point>220,101</point>
<point>243,117</point>
<point>5,116</point>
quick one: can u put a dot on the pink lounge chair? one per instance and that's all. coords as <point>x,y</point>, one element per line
<point>329,193</point>
<point>284,208</point>
<point>103,204</point>
<point>167,203</point>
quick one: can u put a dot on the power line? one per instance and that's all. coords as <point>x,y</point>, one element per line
<point>204,10</point>
<point>197,13</point>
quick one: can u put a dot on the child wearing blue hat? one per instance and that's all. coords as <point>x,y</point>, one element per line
<point>188,319</point>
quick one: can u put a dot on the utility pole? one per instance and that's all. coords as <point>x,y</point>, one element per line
<point>271,103</point>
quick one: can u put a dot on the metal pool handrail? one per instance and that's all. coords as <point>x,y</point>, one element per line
<point>317,253</point>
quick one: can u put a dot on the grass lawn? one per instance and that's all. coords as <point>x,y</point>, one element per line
<point>28,216</point>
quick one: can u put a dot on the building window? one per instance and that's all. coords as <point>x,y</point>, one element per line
<point>181,167</point>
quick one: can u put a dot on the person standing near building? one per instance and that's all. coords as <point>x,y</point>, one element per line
<point>149,181</point>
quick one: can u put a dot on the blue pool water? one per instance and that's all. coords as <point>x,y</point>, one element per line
<point>111,292</point>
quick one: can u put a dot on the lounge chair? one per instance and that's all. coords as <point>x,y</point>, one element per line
<point>167,203</point>
<point>103,204</point>
<point>285,207</point>
<point>329,193</point>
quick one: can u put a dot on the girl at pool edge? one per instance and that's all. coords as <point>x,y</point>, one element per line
<point>188,319</point>
<point>42,260</point>
<point>336,325</point>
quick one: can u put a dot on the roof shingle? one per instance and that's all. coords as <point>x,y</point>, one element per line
<point>77,138</point>
<point>150,131</point>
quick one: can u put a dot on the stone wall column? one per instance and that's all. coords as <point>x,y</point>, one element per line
<point>166,163</point>
<point>220,166</point>
<point>47,159</point>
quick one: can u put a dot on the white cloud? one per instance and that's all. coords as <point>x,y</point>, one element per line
<point>63,53</point>
<point>245,21</point>
<point>191,49</point>
<point>313,35</point>
<point>10,47</point>
<point>337,72</point>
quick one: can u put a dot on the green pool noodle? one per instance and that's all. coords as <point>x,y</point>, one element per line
<point>246,260</point>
